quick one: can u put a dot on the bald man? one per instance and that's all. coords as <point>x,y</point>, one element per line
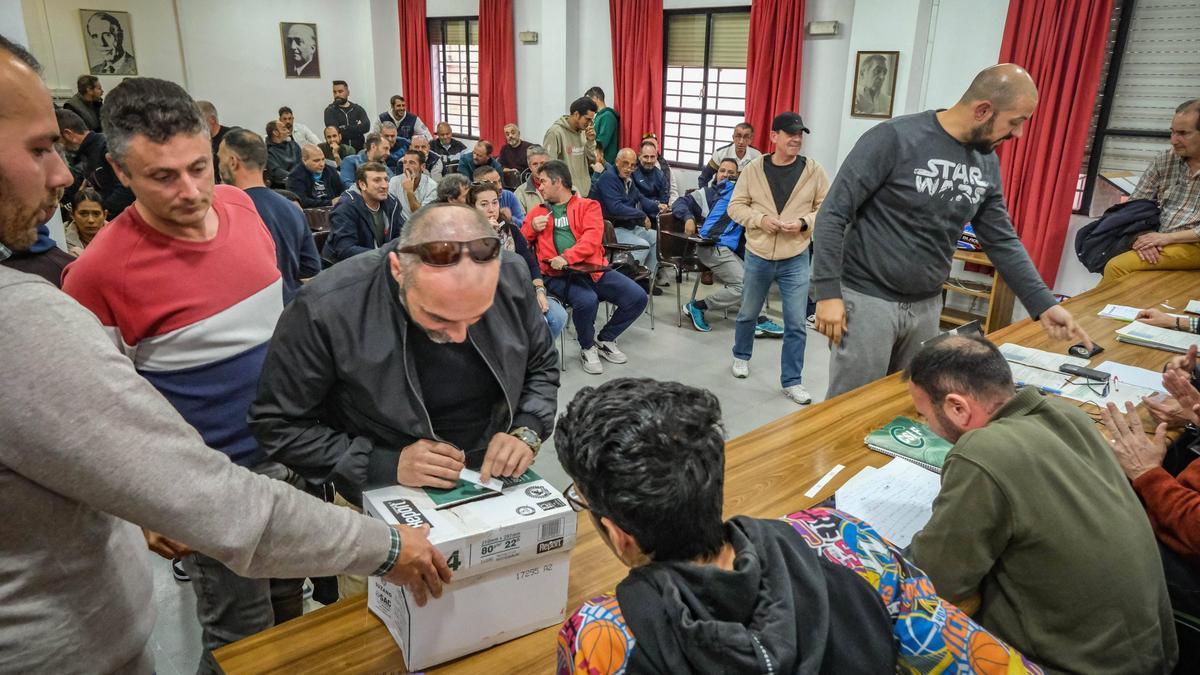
<point>316,183</point>
<point>886,234</point>
<point>632,213</point>
<point>406,364</point>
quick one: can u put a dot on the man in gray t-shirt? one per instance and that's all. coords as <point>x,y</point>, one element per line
<point>885,236</point>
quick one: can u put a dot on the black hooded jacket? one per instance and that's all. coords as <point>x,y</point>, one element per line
<point>783,609</point>
<point>339,395</point>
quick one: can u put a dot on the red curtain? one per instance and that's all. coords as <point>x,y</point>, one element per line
<point>497,70</point>
<point>414,60</point>
<point>1062,46</point>
<point>637,47</point>
<point>773,63</point>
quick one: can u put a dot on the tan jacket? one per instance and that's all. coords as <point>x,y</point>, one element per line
<point>752,200</point>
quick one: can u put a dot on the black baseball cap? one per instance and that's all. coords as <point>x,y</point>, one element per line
<point>789,122</point>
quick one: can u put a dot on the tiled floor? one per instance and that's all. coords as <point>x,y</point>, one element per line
<point>667,353</point>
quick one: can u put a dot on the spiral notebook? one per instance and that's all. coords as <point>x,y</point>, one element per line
<point>911,440</point>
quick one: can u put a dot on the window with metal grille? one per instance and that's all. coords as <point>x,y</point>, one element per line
<point>704,95</point>
<point>454,59</point>
<point>1153,65</point>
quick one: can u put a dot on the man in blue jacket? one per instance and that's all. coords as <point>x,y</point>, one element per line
<point>724,257</point>
<point>316,183</point>
<point>651,181</point>
<point>375,150</point>
<point>364,221</point>
<point>631,213</point>
<point>481,155</point>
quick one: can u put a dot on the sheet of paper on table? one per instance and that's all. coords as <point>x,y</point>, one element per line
<point>1127,313</point>
<point>896,499</point>
<point>1138,377</point>
<point>1037,368</point>
<point>1193,306</point>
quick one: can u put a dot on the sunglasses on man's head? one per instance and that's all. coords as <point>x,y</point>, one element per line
<point>448,253</point>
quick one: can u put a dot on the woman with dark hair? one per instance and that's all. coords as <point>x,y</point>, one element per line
<point>485,196</point>
<point>87,217</point>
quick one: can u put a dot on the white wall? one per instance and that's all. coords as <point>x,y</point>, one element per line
<point>881,25</point>
<point>542,87</point>
<point>56,39</point>
<point>385,36</point>
<point>821,89</point>
<point>228,51</point>
<point>12,22</point>
<point>950,67</point>
<point>217,49</point>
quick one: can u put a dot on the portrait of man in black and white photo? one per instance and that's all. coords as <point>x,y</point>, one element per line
<point>300,55</point>
<point>108,41</point>
<point>874,84</point>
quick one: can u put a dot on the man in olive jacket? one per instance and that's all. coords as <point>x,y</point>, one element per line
<point>1036,531</point>
<point>396,367</point>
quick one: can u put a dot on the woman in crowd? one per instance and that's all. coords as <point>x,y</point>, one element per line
<point>485,197</point>
<point>87,217</point>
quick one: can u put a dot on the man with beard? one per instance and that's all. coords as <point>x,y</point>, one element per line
<point>405,364</point>
<point>1035,529</point>
<point>886,234</point>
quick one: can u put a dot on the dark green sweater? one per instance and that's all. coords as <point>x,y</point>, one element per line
<point>1035,516</point>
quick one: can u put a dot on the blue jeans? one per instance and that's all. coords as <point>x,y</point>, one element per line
<point>792,276</point>
<point>640,235</point>
<point>556,317</point>
<point>584,296</point>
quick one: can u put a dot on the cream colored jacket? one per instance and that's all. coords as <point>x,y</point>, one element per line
<point>752,200</point>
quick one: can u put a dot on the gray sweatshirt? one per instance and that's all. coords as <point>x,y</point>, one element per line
<point>88,448</point>
<point>889,225</point>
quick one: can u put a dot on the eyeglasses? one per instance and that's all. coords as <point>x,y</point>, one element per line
<point>572,496</point>
<point>448,253</point>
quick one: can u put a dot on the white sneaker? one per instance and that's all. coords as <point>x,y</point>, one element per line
<point>741,368</point>
<point>798,394</point>
<point>610,351</point>
<point>591,361</point>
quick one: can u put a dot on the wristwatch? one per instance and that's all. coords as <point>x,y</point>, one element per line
<point>528,437</point>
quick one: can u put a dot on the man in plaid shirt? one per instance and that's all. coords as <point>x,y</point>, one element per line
<point>1173,182</point>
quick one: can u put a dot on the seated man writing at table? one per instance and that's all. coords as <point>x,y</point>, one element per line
<point>818,591</point>
<point>1035,525</point>
<point>409,362</point>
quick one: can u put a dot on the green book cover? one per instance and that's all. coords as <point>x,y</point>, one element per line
<point>467,491</point>
<point>911,440</point>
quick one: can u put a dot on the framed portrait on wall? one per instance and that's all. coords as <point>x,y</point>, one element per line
<point>874,84</point>
<point>108,42</point>
<point>301,57</point>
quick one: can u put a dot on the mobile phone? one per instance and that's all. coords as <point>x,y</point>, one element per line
<point>1089,373</point>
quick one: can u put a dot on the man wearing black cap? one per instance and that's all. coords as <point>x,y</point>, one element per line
<point>776,200</point>
<point>886,236</point>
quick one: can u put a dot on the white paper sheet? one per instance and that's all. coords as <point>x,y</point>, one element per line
<point>1157,338</point>
<point>1036,368</point>
<point>1138,377</point>
<point>897,499</point>
<point>1193,306</point>
<point>1122,312</point>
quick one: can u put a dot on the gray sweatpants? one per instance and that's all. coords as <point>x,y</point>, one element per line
<point>728,270</point>
<point>881,337</point>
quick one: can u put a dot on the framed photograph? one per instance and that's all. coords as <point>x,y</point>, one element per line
<point>874,84</point>
<point>301,57</point>
<point>108,42</point>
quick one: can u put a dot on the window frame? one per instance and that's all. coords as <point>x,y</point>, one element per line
<point>1103,131</point>
<point>708,13</point>
<point>440,74</point>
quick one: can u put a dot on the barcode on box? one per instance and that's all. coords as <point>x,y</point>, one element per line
<point>551,529</point>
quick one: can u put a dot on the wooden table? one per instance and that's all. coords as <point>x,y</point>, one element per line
<point>767,472</point>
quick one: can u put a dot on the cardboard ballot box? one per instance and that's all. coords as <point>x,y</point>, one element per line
<point>510,555</point>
